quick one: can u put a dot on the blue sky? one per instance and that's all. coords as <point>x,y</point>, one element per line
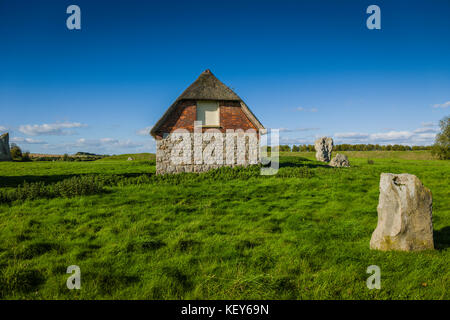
<point>310,68</point>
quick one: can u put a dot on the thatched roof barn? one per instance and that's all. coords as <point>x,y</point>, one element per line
<point>210,102</point>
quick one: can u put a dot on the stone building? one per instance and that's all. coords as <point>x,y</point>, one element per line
<point>207,126</point>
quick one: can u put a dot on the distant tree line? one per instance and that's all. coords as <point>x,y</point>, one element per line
<point>18,155</point>
<point>355,147</point>
<point>377,147</point>
<point>66,157</point>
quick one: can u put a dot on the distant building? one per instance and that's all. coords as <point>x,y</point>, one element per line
<point>210,111</point>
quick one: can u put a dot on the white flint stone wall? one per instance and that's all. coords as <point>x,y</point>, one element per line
<point>184,151</point>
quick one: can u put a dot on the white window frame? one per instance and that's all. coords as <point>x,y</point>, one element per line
<point>208,103</point>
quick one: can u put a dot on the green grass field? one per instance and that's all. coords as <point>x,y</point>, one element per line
<point>229,234</point>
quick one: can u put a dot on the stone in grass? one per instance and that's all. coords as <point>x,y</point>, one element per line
<point>5,154</point>
<point>404,214</point>
<point>323,147</point>
<point>340,160</point>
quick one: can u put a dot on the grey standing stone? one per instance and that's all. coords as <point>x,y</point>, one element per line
<point>340,160</point>
<point>5,152</point>
<point>323,147</point>
<point>404,214</point>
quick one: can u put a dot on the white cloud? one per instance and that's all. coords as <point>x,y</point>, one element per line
<point>285,140</point>
<point>106,143</point>
<point>2,128</point>
<point>297,129</point>
<point>307,129</point>
<point>426,130</point>
<point>429,124</point>
<point>420,136</point>
<point>147,146</point>
<point>27,140</point>
<point>351,135</point>
<point>144,131</point>
<point>425,136</point>
<point>391,136</point>
<point>58,129</point>
<point>442,105</point>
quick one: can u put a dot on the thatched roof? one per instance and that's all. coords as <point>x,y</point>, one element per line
<point>207,87</point>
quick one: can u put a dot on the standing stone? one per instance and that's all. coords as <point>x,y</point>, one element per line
<point>323,147</point>
<point>5,153</point>
<point>404,214</point>
<point>340,160</point>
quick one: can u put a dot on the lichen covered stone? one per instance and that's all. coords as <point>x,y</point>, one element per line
<point>404,214</point>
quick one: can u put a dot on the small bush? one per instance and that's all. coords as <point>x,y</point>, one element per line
<point>72,187</point>
<point>26,157</point>
<point>78,186</point>
<point>370,161</point>
<point>30,191</point>
<point>222,173</point>
<point>16,152</point>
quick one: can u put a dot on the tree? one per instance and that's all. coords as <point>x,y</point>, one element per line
<point>441,147</point>
<point>16,152</point>
<point>285,148</point>
<point>26,156</point>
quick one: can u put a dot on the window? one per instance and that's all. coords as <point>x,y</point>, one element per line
<point>208,113</point>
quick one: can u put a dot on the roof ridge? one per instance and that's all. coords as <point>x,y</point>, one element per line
<point>208,87</point>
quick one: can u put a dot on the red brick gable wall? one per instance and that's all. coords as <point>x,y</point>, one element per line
<point>232,116</point>
<point>184,115</point>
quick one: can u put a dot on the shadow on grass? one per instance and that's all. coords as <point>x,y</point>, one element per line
<point>301,162</point>
<point>20,280</point>
<point>442,238</point>
<point>14,181</point>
